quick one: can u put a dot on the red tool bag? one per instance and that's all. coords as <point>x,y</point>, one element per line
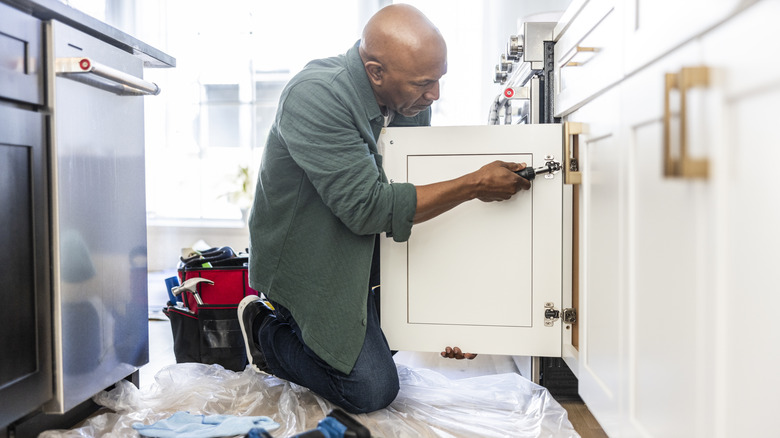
<point>209,332</point>
<point>231,285</point>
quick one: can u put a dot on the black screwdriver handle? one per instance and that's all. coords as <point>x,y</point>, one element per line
<point>528,173</point>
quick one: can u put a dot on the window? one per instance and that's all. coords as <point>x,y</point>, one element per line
<point>206,131</point>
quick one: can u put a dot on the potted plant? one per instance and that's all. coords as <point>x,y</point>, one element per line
<point>243,193</point>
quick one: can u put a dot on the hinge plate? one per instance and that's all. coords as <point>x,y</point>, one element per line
<point>570,316</point>
<point>551,314</point>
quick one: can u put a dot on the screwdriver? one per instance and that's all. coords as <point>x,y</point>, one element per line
<point>530,173</point>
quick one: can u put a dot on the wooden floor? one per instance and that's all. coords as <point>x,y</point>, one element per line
<point>583,420</point>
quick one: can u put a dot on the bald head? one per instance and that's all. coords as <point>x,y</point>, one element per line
<point>399,30</point>
<point>405,56</point>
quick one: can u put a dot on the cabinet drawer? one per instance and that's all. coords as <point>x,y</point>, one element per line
<point>587,55</point>
<point>651,30</point>
<point>21,56</point>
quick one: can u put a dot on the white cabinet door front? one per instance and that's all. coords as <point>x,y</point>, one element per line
<point>602,260</point>
<point>747,212</point>
<point>668,229</point>
<point>478,276</point>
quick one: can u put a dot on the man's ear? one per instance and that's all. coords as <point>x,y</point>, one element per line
<point>375,72</point>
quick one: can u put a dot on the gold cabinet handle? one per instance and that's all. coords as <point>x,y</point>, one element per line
<point>571,171</point>
<point>682,166</point>
<point>579,56</point>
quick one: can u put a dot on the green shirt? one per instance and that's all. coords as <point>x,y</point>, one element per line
<point>321,197</point>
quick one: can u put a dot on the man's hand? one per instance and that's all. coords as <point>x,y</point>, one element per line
<point>498,181</point>
<point>455,353</point>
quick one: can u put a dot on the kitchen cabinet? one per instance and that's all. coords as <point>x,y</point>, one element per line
<point>484,272</point>
<point>677,236</point>
<point>25,362</point>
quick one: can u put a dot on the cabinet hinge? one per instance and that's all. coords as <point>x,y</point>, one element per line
<point>551,314</point>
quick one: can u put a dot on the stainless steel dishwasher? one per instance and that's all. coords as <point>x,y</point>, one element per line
<point>99,276</point>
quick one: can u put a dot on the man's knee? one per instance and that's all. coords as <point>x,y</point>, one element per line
<point>376,394</point>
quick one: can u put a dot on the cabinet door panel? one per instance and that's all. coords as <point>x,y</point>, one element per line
<point>748,236</point>
<point>18,272</point>
<point>665,221</point>
<point>25,362</point>
<point>477,276</point>
<point>601,264</point>
<point>445,262</point>
<point>669,237</point>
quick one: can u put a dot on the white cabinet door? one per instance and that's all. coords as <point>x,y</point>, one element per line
<point>602,255</point>
<point>745,275</point>
<point>670,229</point>
<point>478,276</point>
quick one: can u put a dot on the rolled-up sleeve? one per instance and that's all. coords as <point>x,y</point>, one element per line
<point>404,208</point>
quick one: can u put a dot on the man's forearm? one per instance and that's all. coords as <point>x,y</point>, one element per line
<point>435,199</point>
<point>496,181</point>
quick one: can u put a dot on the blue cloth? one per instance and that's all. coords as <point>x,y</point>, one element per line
<point>186,425</point>
<point>331,428</point>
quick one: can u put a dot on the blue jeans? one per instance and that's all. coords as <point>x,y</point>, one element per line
<point>372,384</point>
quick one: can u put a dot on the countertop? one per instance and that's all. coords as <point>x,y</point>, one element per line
<point>54,10</point>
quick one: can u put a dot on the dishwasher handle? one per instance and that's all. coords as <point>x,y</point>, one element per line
<point>122,83</point>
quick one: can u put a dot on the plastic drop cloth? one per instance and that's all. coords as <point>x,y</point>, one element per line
<point>428,405</point>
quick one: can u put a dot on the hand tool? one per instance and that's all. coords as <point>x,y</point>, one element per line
<point>530,173</point>
<point>191,285</point>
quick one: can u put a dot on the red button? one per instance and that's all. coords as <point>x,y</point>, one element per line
<point>509,92</point>
<point>84,64</point>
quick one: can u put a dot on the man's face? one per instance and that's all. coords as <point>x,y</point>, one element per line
<point>412,85</point>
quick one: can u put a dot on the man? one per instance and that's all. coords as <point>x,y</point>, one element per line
<point>322,198</point>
